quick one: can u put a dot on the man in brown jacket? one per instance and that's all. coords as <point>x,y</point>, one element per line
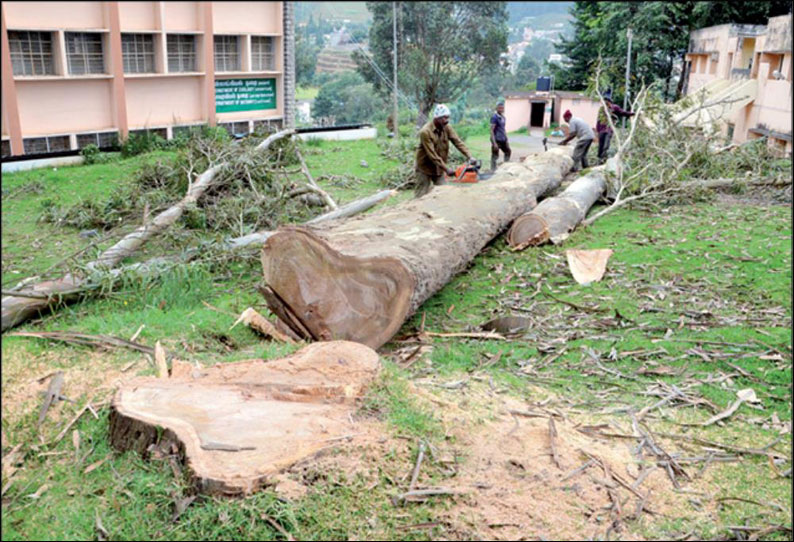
<point>433,151</point>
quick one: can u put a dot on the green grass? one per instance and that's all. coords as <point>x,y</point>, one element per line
<point>705,272</point>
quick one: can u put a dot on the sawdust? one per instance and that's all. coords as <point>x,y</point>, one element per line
<point>516,491</point>
<point>87,375</point>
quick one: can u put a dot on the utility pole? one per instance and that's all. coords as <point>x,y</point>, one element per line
<point>628,72</point>
<point>395,123</point>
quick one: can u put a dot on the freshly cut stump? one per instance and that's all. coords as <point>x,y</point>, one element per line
<point>554,218</point>
<point>359,279</point>
<point>239,423</point>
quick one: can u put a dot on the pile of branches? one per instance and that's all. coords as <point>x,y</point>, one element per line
<point>659,161</point>
<point>401,176</point>
<point>252,192</point>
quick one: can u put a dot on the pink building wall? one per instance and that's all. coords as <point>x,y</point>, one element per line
<point>584,108</point>
<point>516,114</point>
<point>64,103</point>
<point>724,53</point>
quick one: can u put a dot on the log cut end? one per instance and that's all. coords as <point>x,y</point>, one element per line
<point>527,230</point>
<point>237,424</point>
<point>333,296</point>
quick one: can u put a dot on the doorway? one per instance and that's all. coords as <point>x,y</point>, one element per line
<point>536,114</point>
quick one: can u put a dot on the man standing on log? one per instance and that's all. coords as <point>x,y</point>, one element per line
<point>499,135</point>
<point>433,151</point>
<point>603,129</point>
<point>578,128</point>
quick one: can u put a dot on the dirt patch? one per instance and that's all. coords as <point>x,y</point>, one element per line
<point>93,375</point>
<point>516,490</point>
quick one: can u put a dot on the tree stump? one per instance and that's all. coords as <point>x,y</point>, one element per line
<point>359,279</point>
<point>236,424</point>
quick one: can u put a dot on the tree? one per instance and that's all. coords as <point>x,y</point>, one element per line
<point>442,47</point>
<point>305,59</point>
<point>347,99</point>
<point>527,71</point>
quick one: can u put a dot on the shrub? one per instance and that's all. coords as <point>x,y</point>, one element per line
<point>90,154</point>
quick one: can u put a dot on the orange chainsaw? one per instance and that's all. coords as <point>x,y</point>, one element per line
<point>469,173</point>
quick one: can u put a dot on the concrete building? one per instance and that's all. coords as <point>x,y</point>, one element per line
<point>538,109</point>
<point>745,72</point>
<point>75,73</point>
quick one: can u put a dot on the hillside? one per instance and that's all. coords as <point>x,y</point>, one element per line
<point>355,12</point>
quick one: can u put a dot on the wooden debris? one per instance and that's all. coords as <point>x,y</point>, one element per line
<point>52,395</point>
<point>415,475</point>
<point>101,341</point>
<point>552,445</point>
<point>588,265</point>
<point>159,361</point>
<point>422,494</point>
<point>259,323</point>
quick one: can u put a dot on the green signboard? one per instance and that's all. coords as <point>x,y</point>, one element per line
<point>244,94</point>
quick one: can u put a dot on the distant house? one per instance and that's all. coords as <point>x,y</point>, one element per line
<point>748,68</point>
<point>539,109</point>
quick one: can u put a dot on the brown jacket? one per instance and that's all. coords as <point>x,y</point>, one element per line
<point>433,149</point>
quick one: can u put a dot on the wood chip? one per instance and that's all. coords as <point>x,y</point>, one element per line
<point>159,361</point>
<point>259,323</point>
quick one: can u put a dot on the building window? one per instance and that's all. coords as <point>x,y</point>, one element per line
<point>31,52</point>
<point>103,140</point>
<point>42,145</point>
<point>162,132</point>
<point>227,53</point>
<point>84,53</point>
<point>137,52</point>
<point>6,151</point>
<point>263,53</point>
<point>181,53</point>
<point>236,129</point>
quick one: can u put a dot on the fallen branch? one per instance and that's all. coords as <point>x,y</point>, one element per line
<point>259,323</point>
<point>419,494</point>
<point>86,339</point>
<point>328,199</point>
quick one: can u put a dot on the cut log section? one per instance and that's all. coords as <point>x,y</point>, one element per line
<point>554,218</point>
<point>361,278</point>
<point>237,424</point>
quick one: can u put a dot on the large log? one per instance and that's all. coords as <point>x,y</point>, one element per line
<point>236,424</point>
<point>361,278</point>
<point>554,218</point>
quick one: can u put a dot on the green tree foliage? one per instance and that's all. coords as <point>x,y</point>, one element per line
<point>306,52</point>
<point>661,37</point>
<point>442,47</point>
<point>347,99</point>
<point>527,71</point>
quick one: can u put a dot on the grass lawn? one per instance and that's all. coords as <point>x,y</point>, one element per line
<point>696,298</point>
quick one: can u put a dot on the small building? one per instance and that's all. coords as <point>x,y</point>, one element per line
<point>748,68</point>
<point>79,73</point>
<point>539,109</point>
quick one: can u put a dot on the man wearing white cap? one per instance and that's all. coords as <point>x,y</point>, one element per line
<point>433,151</point>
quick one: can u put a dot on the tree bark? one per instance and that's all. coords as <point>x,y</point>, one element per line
<point>554,218</point>
<point>236,424</point>
<point>360,279</point>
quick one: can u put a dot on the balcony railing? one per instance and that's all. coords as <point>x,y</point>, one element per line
<point>739,73</point>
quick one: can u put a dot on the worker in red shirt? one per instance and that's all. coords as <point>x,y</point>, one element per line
<point>603,129</point>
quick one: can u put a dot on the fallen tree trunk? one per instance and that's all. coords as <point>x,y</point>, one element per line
<point>361,278</point>
<point>237,424</point>
<point>18,307</point>
<point>554,218</point>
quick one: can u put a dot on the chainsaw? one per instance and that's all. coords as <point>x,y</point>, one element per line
<point>469,173</point>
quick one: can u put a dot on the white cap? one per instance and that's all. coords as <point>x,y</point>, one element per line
<point>441,111</point>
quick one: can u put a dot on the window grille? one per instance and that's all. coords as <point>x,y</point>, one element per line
<point>235,128</point>
<point>42,145</point>
<point>263,56</point>
<point>84,53</point>
<point>137,52</point>
<point>31,52</point>
<point>162,132</point>
<point>227,53</point>
<point>266,126</point>
<point>6,150</point>
<point>102,140</point>
<point>181,53</point>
